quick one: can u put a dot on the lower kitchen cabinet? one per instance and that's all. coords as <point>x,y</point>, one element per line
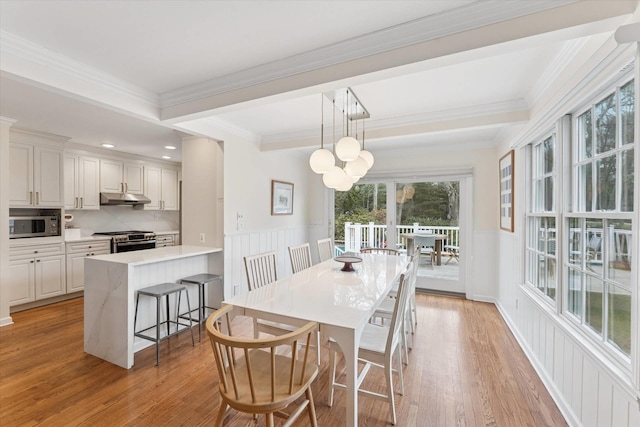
<point>36,272</point>
<point>76,253</point>
<point>165,240</point>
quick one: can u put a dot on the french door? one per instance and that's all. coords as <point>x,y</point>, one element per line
<point>381,212</point>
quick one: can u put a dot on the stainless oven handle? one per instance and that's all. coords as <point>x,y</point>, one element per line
<point>140,242</point>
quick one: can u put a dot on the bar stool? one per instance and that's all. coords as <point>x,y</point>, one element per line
<point>157,292</point>
<point>201,280</point>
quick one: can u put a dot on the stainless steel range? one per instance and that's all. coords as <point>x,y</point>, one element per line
<point>127,241</point>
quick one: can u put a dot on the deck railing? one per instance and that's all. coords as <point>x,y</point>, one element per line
<point>357,236</point>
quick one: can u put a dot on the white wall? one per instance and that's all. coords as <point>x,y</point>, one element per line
<point>5,124</point>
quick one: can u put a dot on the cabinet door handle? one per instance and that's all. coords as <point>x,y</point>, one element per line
<point>35,252</point>
<point>75,205</point>
<point>126,187</point>
<point>81,202</point>
<point>37,197</point>
<point>37,260</point>
<point>31,261</point>
<point>30,197</point>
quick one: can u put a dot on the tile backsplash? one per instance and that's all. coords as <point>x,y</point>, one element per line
<point>122,218</point>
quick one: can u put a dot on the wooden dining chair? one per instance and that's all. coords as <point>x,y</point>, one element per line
<point>383,251</point>
<point>300,257</point>
<point>325,249</point>
<point>261,270</point>
<point>378,344</point>
<point>262,376</point>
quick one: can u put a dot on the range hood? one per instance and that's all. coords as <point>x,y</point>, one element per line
<point>135,200</point>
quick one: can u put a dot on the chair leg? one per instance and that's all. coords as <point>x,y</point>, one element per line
<point>221,412</point>
<point>318,347</point>
<point>256,333</point>
<point>388,371</point>
<point>400,376</point>
<point>270,422</point>
<point>332,371</point>
<point>312,408</point>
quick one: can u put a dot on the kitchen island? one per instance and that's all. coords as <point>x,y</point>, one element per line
<point>111,282</point>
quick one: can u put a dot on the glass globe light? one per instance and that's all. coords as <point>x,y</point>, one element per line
<point>346,184</point>
<point>356,168</point>
<point>321,160</point>
<point>368,157</point>
<point>334,177</point>
<point>347,149</point>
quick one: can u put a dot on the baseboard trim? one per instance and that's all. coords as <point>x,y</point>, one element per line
<point>440,293</point>
<point>6,321</point>
<point>40,303</point>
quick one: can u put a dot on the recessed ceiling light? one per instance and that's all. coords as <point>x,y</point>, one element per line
<point>169,147</point>
<point>108,145</point>
<point>166,157</point>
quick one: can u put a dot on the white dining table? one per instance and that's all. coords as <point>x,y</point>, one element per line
<point>341,302</point>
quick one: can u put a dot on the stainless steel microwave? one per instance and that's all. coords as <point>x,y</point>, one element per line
<point>34,226</point>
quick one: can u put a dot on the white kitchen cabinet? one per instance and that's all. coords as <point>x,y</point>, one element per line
<point>36,272</point>
<point>121,177</point>
<point>161,186</point>
<point>36,176</point>
<point>165,240</point>
<point>81,182</point>
<point>76,254</point>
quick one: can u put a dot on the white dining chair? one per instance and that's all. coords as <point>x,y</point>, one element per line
<point>378,344</point>
<point>261,270</point>
<point>325,249</point>
<point>300,257</point>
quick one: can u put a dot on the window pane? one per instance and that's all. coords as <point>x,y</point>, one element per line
<point>626,113</point>
<point>626,180</point>
<point>548,194</point>
<point>539,195</point>
<point>619,318</point>
<point>537,161</point>
<point>574,304</point>
<point>584,136</point>
<point>606,183</point>
<point>593,308</point>
<point>551,278</point>
<point>605,115</point>
<point>548,155</point>
<point>575,241</point>
<point>531,273</point>
<point>585,188</point>
<point>619,258</point>
<point>551,236</point>
<point>593,239</point>
<point>541,273</point>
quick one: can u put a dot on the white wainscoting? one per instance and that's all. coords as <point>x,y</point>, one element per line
<point>239,245</point>
<point>584,388</point>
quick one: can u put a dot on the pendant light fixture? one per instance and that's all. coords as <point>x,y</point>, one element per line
<point>355,161</point>
<point>322,160</point>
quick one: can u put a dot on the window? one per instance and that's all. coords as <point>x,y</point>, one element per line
<point>598,227</point>
<point>541,220</point>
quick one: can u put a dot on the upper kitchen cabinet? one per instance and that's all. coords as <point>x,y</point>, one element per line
<point>81,182</point>
<point>36,176</point>
<point>121,177</point>
<point>161,186</point>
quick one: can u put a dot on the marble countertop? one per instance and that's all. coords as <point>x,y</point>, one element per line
<point>150,256</point>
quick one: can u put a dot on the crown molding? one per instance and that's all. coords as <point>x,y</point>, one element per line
<point>13,45</point>
<point>420,30</point>
<point>409,120</point>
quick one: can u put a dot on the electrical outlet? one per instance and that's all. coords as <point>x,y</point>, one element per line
<point>240,221</point>
<point>201,237</point>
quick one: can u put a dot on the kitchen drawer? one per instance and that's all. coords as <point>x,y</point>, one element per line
<point>164,240</point>
<point>21,252</point>
<point>86,247</point>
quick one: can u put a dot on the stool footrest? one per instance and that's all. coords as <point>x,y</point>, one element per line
<point>163,335</point>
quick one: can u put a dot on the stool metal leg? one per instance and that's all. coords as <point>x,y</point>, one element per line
<point>193,343</point>
<point>158,330</point>
<point>135,316</point>
<point>200,310</point>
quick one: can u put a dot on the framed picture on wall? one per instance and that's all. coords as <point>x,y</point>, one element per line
<point>506,192</point>
<point>281,198</point>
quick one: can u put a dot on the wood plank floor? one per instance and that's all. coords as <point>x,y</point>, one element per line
<point>466,369</point>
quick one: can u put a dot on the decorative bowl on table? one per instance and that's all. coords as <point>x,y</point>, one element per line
<point>348,261</point>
